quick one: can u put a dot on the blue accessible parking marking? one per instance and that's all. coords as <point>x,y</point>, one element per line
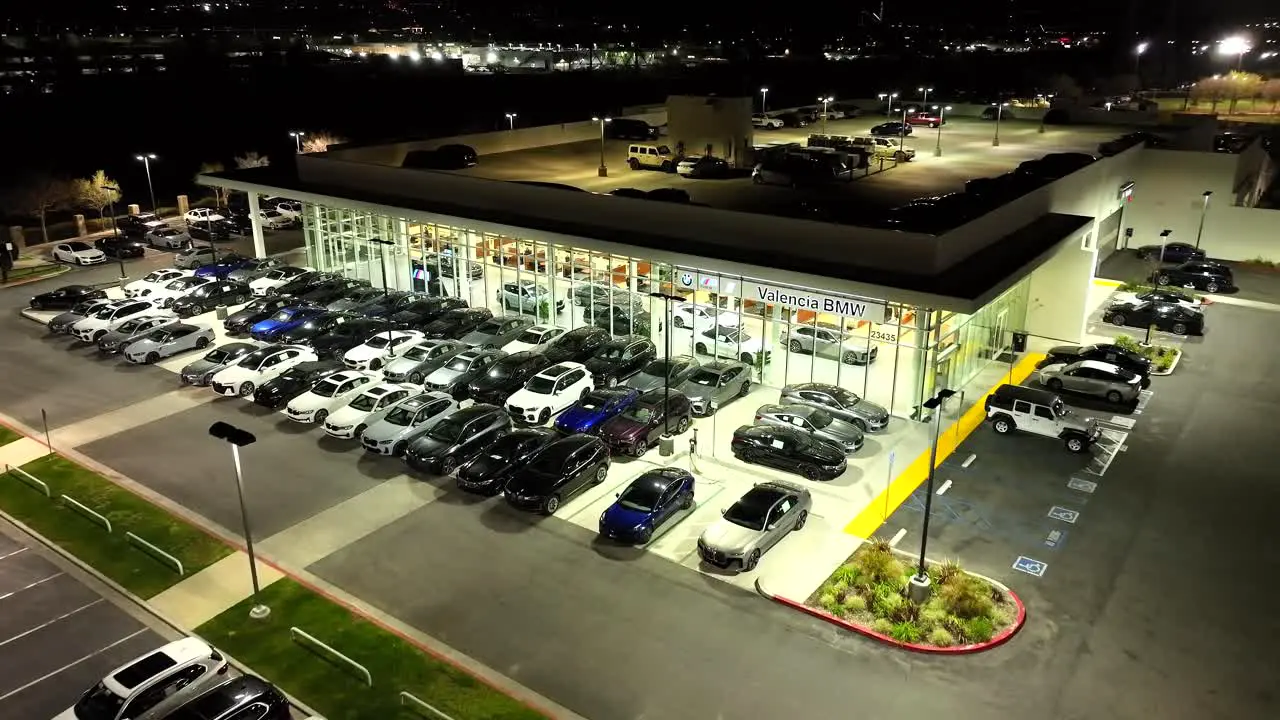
<point>1030,566</point>
<point>1065,515</point>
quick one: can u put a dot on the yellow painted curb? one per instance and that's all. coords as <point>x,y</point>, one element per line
<point>1107,283</point>
<point>949,438</point>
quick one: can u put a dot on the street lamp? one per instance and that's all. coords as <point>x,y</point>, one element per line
<point>297,138</point>
<point>666,380</point>
<point>764,100</point>
<point>115,228</point>
<point>1235,45</point>
<point>1137,60</point>
<point>238,438</point>
<point>511,121</point>
<point>146,161</point>
<point>826,101</point>
<point>926,91</point>
<point>919,587</point>
<point>902,137</point>
<point>995,141</point>
<point>942,119</point>
<point>1204,210</point>
<point>889,111</point>
<point>603,120</point>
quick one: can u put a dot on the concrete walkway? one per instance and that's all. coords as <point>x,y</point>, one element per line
<point>22,451</point>
<point>210,592</point>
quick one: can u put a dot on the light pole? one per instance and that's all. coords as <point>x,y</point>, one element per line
<point>889,111</point>
<point>511,121</point>
<point>238,438</point>
<point>1235,45</point>
<point>115,228</point>
<point>925,91</point>
<point>297,138</point>
<point>1164,240</point>
<point>603,171</point>
<point>919,588</point>
<point>666,380</point>
<point>942,119</point>
<point>764,100</point>
<point>1137,61</point>
<point>382,260</point>
<point>146,162</point>
<point>826,101</point>
<point>902,137</point>
<point>1204,210</point>
<point>995,141</point>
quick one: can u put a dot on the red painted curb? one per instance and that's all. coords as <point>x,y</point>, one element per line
<point>38,278</point>
<point>996,641</point>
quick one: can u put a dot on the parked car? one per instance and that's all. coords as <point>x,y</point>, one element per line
<point>422,310</point>
<point>391,433</point>
<point>224,266</point>
<point>169,340</point>
<point>152,686</point>
<point>620,358</point>
<point>793,119</point>
<point>1013,408</point>
<point>549,392</point>
<point>367,407</point>
<point>1163,316</point>
<point>121,247</point>
<point>622,320</point>
<point>1090,377</point>
<point>814,421</point>
<point>993,112</point>
<point>648,502</point>
<point>504,376</point>
<point>260,366</point>
<point>203,215</point>
<point>214,231</point>
<point>498,331</point>
<point>141,224</point>
<point>528,296</point>
<point>828,340</point>
<point>220,293</point>
<point>457,439</point>
<point>557,473</point>
<point>200,372</point>
<point>122,335</point>
<point>927,119</point>
<point>487,473</point>
<point>315,327</point>
<point>299,284</point>
<point>757,521</point>
<point>578,345</point>
<point>840,402</point>
<point>418,362</point>
<point>663,372</point>
<point>456,323</point>
<point>891,128</point>
<point>66,297</point>
<point>168,237</point>
<point>1102,352</point>
<point>270,282</point>
<point>193,257</point>
<point>153,281</point>
<point>1055,165</point>
<point>78,253</point>
<point>703,166</point>
<point>1174,252</point>
<point>790,450</point>
<point>766,122</point>
<point>353,298</point>
<point>594,409</point>
<point>535,338</point>
<point>638,427</point>
<point>381,348</point>
<point>1163,295</point>
<point>330,289</point>
<point>244,697</point>
<point>326,396</point>
<point>1200,274</point>
<point>278,391</point>
<point>254,312</point>
<point>703,317</point>
<point>61,324</point>
<point>591,294</point>
<point>715,384</point>
<point>254,269</point>
<point>284,319</point>
<point>94,326</point>
<point>732,343</point>
<point>446,157</point>
<point>164,297</point>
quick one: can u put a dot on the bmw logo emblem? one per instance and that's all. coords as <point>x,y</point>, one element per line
<point>686,279</point>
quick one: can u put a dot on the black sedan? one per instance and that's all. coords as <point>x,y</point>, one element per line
<point>422,310</point>
<point>506,375</point>
<point>66,297</point>
<point>121,247</point>
<point>211,295</point>
<point>1101,352</point>
<point>313,327</point>
<point>346,335</point>
<point>557,472</point>
<point>304,282</point>
<point>257,310</point>
<point>278,391</point>
<point>1200,274</point>
<point>1172,318</point>
<point>457,439</point>
<point>891,128</point>
<point>788,449</point>
<point>355,298</point>
<point>332,290</point>
<point>578,345</point>
<point>456,323</point>
<point>1174,252</point>
<point>488,472</point>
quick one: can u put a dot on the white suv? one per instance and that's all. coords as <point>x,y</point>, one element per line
<point>1039,412</point>
<point>154,685</point>
<point>202,215</point>
<point>761,120</point>
<point>109,318</point>
<point>549,392</point>
<point>647,155</point>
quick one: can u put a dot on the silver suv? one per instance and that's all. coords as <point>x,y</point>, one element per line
<point>154,685</point>
<point>526,296</point>
<point>841,403</point>
<point>1039,412</point>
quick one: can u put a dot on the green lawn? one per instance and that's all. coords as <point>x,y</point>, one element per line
<point>331,688</point>
<point>7,436</point>
<point>32,272</point>
<point>110,553</point>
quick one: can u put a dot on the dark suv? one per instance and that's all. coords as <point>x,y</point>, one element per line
<point>1200,274</point>
<point>456,323</point>
<point>211,295</point>
<point>458,438</point>
<point>620,358</point>
<point>505,376</point>
<point>638,427</point>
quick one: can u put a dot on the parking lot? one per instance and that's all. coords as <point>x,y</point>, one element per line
<point>1252,283</point>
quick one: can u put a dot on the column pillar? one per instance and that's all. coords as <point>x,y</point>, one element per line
<point>921,361</point>
<point>81,230</point>
<point>184,205</point>
<point>552,252</point>
<point>255,221</point>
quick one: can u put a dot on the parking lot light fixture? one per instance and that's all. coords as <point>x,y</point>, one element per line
<point>999,106</point>
<point>826,101</point>
<point>919,588</point>
<point>1204,210</point>
<point>297,138</point>
<point>511,121</point>
<point>925,91</point>
<point>112,190</point>
<point>146,159</point>
<point>603,171</point>
<point>902,137</point>
<point>889,110</point>
<point>237,439</point>
<point>1235,45</point>
<point>942,118</point>
<point>764,100</point>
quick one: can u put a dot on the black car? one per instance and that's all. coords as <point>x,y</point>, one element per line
<point>1169,317</point>
<point>446,157</point>
<point>1174,252</point>
<point>1055,165</point>
<point>422,310</point>
<point>557,472</point>
<point>211,295</point>
<point>894,128</point>
<point>456,323</point>
<point>788,449</point>
<point>1200,274</point>
<point>278,391</point>
<point>302,283</point>
<point>257,310</point>
<point>577,345</point>
<point>66,297</point>
<point>384,304</point>
<point>1102,352</point>
<point>793,119</point>
<point>239,223</point>
<point>332,290</point>
<point>457,439</point>
<point>245,697</point>
<point>345,335</point>
<point>621,320</point>
<point>212,230</point>
<point>506,375</point>
<point>313,327</point>
<point>121,247</point>
<point>354,298</point>
<point>620,358</point>
<point>488,472</point>
<point>140,224</point>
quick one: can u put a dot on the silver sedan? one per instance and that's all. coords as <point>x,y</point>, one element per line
<point>168,341</point>
<point>816,422</point>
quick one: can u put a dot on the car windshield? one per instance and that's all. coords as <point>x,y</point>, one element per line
<point>611,352</point>
<point>277,275</point>
<point>491,327</point>
<point>657,368</point>
<point>78,246</point>
<point>159,335</point>
<point>377,342</point>
<point>419,353</point>
<point>327,388</point>
<point>749,512</point>
<point>402,415</point>
<point>735,336</point>
<point>594,401</point>
<point>154,276</point>
<point>529,337</point>
<point>705,377</point>
<point>446,430</point>
<point>819,419</point>
<point>98,704</point>
<point>541,385</point>
<point>217,356</point>
<point>459,365</point>
<point>639,413</point>
<point>845,397</point>
<point>641,495</point>
<point>365,403</point>
<point>130,326</point>
<point>283,315</point>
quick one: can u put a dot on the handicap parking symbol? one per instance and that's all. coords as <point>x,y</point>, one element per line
<point>1030,566</point>
<point>1065,515</point>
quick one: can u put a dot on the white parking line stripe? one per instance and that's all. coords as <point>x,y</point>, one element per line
<point>969,460</point>
<point>687,513</point>
<point>28,587</point>
<point>897,537</point>
<point>15,552</point>
<point>945,487</point>
<point>42,626</point>
<point>70,665</point>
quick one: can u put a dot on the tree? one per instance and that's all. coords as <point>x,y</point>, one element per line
<point>252,160</point>
<point>1239,85</point>
<point>1211,88</point>
<point>97,192</point>
<point>1064,86</point>
<point>39,195</point>
<point>219,193</point>
<point>1270,90</point>
<point>320,142</point>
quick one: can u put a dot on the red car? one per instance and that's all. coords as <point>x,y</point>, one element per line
<point>925,119</point>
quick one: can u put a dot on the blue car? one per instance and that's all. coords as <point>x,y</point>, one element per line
<point>589,413</point>
<point>652,499</point>
<point>284,320</point>
<point>223,267</point>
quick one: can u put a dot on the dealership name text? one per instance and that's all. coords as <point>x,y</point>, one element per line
<point>834,306</point>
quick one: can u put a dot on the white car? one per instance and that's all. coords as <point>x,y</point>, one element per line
<point>168,237</point>
<point>274,219</point>
<point>153,281</point>
<point>328,395</point>
<point>163,297</point>
<point>350,420</point>
<point>730,343</point>
<point>202,215</point>
<point>385,346</point>
<point>761,120</point>
<point>702,317</point>
<point>549,392</point>
<point>78,253</point>
<point>291,209</point>
<point>536,339</point>
<point>267,284</point>
<point>259,366</point>
<point>109,318</point>
<point>153,685</point>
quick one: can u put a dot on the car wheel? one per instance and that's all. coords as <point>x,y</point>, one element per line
<point>602,472</point>
<point>1004,426</point>
<point>687,502</point>
<point>98,335</point>
<point>899,156</point>
<point>398,449</point>
<point>544,416</point>
<point>747,358</point>
<point>795,346</point>
<point>359,431</point>
<point>611,381</point>
<point>1162,279</point>
<point>448,465</point>
<point>550,505</point>
<point>746,388</point>
<point>1117,319</point>
<point>643,537</point>
<point>804,518</point>
<point>634,163</point>
<point>153,357</point>
<point>1055,384</point>
<point>375,364</point>
<point>677,321</point>
<point>1179,329</point>
<point>246,389</point>
<point>700,348</point>
<point>321,415</point>
<point>202,343</point>
<point>1212,287</point>
<point>37,305</point>
<point>639,448</point>
<point>751,561</point>
<point>416,378</point>
<point>850,358</point>
<point>682,425</point>
<point>812,473</point>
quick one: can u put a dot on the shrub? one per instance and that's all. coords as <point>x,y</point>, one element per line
<point>879,564</point>
<point>940,638</point>
<point>1133,287</point>
<point>947,570</point>
<point>1003,616</point>
<point>979,629</point>
<point>848,574</point>
<point>905,611</point>
<point>839,587</point>
<point>905,632</point>
<point>931,617</point>
<point>957,627</point>
<point>967,597</point>
<point>884,626</point>
<point>886,605</point>
<point>855,604</point>
<point>827,601</point>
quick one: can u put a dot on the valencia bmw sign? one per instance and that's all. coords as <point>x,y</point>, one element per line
<point>828,304</point>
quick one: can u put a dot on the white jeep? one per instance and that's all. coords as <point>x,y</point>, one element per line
<point>1039,412</point>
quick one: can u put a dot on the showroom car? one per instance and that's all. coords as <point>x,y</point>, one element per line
<point>457,439</point>
<point>620,358</point>
<point>550,392</point>
<point>254,269</point>
<point>1090,377</point>
<point>244,697</point>
<point>578,345</point>
<point>382,348</point>
<point>527,296</point>
<point>219,293</point>
<point>716,384</point>
<point>1102,352</point>
<point>164,297</point>
<point>1200,274</point>
<point>274,279</point>
<point>152,686</point>
<point>255,311</point>
<point>153,281</point>
<point>558,472</point>
<point>622,320</point>
<point>115,341</point>
<point>141,224</point>
<point>1013,408</point>
<point>422,310</point>
<point>225,265</point>
<point>594,409</point>
<point>200,372</point>
<point>258,367</point>
<point>278,391</point>
<point>664,373</point>
<point>505,376</point>
<point>1164,295</point>
<point>535,338</point>
<point>454,376</point>
<point>66,297</point>
<point>108,317</point>
<point>702,317</point>
<point>498,331</point>
<point>61,324</point>
<point>828,340</point>
<point>815,421</point>
<point>419,361</point>
<point>78,253</point>
<point>754,524</point>
<point>394,430</point>
<point>331,334</point>
<point>167,341</point>
<point>286,318</point>
<point>790,450</point>
<point>366,408</point>
<point>638,428</point>
<point>1174,252</point>
<point>352,299</point>
<point>121,247</point>
<point>840,402</point>
<point>167,237</point>
<point>732,343</point>
<point>650,501</point>
<point>456,323</point>
<point>488,472</point>
<point>194,257</point>
<point>1163,316</point>
<point>328,395</point>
